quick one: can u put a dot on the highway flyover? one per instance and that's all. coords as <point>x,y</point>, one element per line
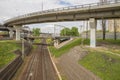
<point>91,12</point>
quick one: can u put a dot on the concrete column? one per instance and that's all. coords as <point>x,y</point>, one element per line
<point>92,24</point>
<point>17,28</point>
<point>11,33</point>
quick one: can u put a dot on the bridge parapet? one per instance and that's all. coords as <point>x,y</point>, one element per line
<point>63,9</point>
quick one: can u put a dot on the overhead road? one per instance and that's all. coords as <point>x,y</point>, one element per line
<point>12,30</point>
<point>91,12</point>
<point>4,29</point>
<point>111,9</point>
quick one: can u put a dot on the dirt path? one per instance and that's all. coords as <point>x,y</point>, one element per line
<point>70,69</point>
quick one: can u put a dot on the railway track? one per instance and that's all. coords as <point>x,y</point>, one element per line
<point>40,66</point>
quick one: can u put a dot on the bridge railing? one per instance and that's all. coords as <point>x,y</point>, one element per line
<point>65,8</point>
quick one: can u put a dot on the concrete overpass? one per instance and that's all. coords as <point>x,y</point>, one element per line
<point>4,29</point>
<point>92,12</point>
<point>12,30</point>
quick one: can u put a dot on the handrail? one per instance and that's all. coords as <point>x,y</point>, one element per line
<point>64,8</point>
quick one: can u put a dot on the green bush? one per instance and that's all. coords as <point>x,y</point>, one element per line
<point>105,65</point>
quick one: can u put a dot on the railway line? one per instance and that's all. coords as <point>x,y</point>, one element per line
<point>40,66</point>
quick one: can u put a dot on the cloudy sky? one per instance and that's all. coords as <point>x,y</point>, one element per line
<point>12,8</point>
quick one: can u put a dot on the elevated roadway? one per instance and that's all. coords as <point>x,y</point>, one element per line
<point>91,12</point>
<point>73,13</point>
<point>4,29</point>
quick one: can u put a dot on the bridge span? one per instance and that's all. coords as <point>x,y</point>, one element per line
<point>91,12</point>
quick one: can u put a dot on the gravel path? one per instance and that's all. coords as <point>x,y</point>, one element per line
<point>70,69</point>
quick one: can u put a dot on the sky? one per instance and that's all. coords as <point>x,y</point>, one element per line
<point>13,8</point>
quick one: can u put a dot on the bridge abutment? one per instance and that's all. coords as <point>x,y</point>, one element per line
<point>92,23</point>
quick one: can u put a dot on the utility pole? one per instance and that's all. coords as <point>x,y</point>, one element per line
<point>115,36</point>
<point>54,30</point>
<point>87,30</point>
<point>80,30</point>
<point>42,5</point>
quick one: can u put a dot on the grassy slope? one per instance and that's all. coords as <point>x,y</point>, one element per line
<point>6,52</point>
<point>105,65</point>
<point>77,41</point>
<point>67,47</point>
<point>110,41</point>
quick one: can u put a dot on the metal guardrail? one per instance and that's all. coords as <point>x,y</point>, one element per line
<point>65,8</point>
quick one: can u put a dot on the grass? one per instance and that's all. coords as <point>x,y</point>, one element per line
<point>101,63</point>
<point>6,52</point>
<point>110,41</point>
<point>113,45</point>
<point>49,41</point>
<point>36,41</point>
<point>58,52</point>
<point>105,65</point>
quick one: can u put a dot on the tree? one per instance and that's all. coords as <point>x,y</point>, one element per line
<point>104,28</point>
<point>69,32</point>
<point>74,31</point>
<point>65,32</point>
<point>36,31</point>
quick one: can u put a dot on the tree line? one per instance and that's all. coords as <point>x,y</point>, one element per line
<point>69,32</point>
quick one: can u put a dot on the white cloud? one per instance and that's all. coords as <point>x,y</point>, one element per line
<point>12,8</point>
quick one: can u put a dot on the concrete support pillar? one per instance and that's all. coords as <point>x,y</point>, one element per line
<point>17,28</point>
<point>92,24</point>
<point>11,33</point>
